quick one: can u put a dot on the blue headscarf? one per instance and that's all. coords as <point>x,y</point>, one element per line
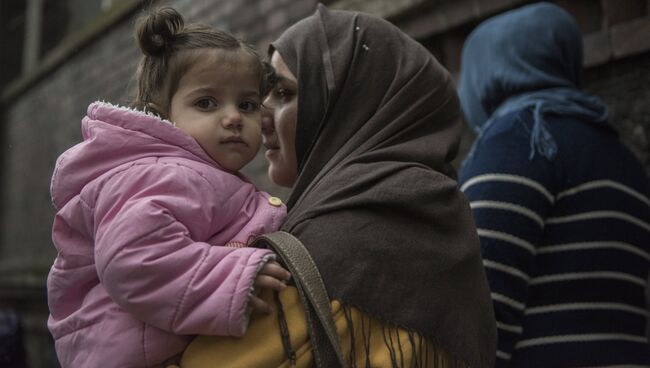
<point>529,57</point>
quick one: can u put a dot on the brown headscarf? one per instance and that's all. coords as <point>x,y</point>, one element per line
<point>376,202</point>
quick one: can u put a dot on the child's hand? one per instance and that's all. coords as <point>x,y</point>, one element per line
<point>271,276</point>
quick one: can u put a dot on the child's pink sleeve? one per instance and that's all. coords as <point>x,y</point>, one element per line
<point>147,220</point>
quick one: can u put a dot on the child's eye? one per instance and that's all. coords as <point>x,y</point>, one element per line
<point>205,103</point>
<point>249,106</point>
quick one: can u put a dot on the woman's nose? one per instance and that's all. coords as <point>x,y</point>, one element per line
<point>267,120</point>
<point>266,103</point>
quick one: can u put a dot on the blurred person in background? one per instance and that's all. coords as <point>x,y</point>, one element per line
<point>561,205</point>
<point>12,351</point>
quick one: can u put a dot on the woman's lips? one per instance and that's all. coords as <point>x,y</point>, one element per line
<point>271,146</point>
<point>271,150</point>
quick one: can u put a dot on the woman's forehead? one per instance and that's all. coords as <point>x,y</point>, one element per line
<point>281,68</point>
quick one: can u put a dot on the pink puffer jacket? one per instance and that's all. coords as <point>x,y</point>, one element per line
<point>143,214</point>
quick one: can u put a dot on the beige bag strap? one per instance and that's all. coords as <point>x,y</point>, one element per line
<point>326,349</point>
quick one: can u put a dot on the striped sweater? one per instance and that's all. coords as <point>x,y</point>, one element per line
<point>566,244</point>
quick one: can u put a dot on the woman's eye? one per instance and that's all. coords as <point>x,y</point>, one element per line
<point>249,106</point>
<point>282,93</point>
<point>205,103</point>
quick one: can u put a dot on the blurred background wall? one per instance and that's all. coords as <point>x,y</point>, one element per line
<point>57,56</point>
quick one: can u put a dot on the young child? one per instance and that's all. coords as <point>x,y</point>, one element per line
<point>152,215</point>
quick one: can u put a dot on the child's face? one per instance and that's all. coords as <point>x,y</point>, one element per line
<point>217,102</point>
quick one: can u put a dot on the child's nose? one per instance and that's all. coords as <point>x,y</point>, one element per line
<point>232,118</point>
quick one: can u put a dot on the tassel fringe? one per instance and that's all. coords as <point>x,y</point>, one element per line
<point>423,354</point>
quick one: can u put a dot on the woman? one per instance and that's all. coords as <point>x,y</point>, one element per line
<point>560,203</point>
<point>365,125</point>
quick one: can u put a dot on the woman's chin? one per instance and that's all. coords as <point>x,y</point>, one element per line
<point>271,154</point>
<point>279,176</point>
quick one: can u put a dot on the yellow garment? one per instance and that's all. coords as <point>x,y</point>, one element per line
<point>262,347</point>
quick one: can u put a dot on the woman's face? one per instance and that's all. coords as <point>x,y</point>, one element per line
<point>279,125</point>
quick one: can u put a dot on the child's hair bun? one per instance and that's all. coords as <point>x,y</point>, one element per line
<point>156,30</point>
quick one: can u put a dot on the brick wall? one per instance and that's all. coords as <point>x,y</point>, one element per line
<point>624,85</point>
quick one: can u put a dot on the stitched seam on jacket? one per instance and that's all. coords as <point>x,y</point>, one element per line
<point>104,182</point>
<point>144,342</point>
<point>232,300</point>
<point>157,163</point>
<point>123,171</point>
<point>92,323</point>
<point>277,221</point>
<point>110,261</point>
<point>179,305</point>
<point>85,203</point>
<point>183,166</point>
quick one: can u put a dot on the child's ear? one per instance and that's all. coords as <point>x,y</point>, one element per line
<point>155,108</point>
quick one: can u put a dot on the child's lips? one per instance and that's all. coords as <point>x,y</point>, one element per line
<point>234,140</point>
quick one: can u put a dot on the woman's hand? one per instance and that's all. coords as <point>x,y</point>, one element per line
<point>272,276</point>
